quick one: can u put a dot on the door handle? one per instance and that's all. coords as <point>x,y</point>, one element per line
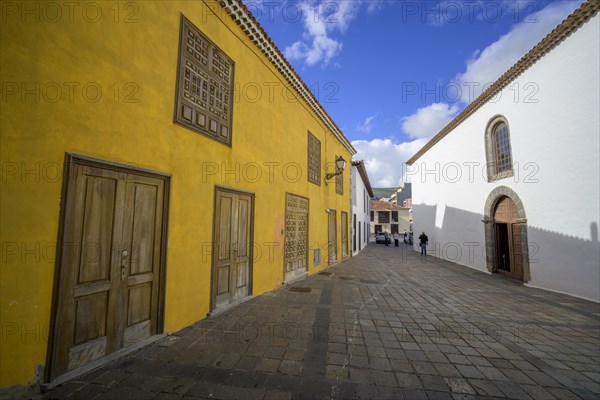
<point>124,265</point>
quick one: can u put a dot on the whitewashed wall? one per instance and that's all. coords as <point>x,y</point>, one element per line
<point>360,203</point>
<point>554,129</point>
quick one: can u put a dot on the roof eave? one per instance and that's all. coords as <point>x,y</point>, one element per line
<point>573,22</point>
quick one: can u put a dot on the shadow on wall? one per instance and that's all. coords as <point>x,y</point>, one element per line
<point>557,262</point>
<point>565,263</point>
<point>460,238</point>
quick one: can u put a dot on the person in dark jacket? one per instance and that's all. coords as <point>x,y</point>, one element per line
<point>423,241</point>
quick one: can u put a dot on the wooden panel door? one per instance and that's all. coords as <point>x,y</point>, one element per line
<point>233,247</point>
<point>140,257</point>
<point>332,237</point>
<point>354,233</point>
<point>296,237</point>
<point>359,237</point>
<point>109,266</point>
<point>344,223</point>
<point>508,239</point>
<point>517,251</point>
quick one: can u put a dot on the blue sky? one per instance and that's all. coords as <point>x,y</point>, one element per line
<point>393,73</point>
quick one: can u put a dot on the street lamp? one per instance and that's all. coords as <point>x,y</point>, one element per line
<point>340,164</point>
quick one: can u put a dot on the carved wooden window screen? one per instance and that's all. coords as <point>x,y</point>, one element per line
<point>204,85</point>
<point>314,159</point>
<point>296,233</point>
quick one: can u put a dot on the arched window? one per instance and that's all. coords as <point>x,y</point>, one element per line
<point>498,149</point>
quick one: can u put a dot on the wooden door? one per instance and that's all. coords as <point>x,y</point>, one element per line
<point>233,247</point>
<point>344,223</point>
<point>359,237</point>
<point>508,239</point>
<point>332,237</point>
<point>354,233</point>
<point>517,251</point>
<point>110,264</point>
<point>296,237</point>
<point>140,267</point>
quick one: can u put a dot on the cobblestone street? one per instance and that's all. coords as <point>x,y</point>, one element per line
<point>382,325</point>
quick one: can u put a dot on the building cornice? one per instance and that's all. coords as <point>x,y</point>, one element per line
<point>573,22</point>
<point>360,166</point>
<point>255,32</point>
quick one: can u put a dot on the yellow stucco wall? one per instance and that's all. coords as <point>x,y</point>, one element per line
<point>52,66</point>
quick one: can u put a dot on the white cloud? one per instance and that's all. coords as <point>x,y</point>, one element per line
<point>385,159</point>
<point>320,21</point>
<point>367,125</point>
<point>486,66</point>
<point>427,121</point>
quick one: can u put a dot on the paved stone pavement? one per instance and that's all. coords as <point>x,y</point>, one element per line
<point>383,325</point>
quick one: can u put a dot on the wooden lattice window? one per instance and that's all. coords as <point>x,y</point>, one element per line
<point>339,183</point>
<point>502,148</point>
<point>314,159</point>
<point>205,82</point>
<point>394,216</point>
<point>384,217</point>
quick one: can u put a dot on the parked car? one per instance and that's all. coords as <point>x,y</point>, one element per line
<point>380,237</point>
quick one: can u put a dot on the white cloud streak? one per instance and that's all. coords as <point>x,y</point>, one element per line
<point>486,66</point>
<point>321,20</point>
<point>367,126</point>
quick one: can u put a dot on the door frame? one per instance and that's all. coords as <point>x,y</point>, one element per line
<point>330,212</point>
<point>72,159</point>
<point>213,288</point>
<point>490,235</point>
<point>344,230</point>
<point>285,233</point>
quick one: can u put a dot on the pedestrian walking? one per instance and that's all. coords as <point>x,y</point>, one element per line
<point>387,239</point>
<point>405,236</point>
<point>396,239</point>
<point>423,241</point>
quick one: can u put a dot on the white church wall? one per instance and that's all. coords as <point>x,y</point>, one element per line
<point>552,112</point>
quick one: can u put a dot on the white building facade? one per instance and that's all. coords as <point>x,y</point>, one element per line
<point>361,193</point>
<point>512,184</point>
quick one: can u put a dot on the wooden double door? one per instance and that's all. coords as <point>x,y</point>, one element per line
<point>108,287</point>
<point>233,247</point>
<point>508,232</point>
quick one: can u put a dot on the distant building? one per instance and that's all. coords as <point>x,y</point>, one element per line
<point>485,187</point>
<point>404,193</point>
<point>361,193</point>
<point>388,217</point>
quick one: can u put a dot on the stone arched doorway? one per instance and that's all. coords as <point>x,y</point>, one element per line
<point>506,234</point>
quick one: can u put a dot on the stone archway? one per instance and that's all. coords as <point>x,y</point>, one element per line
<point>518,230</point>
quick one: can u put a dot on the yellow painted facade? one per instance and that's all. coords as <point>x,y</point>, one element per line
<point>99,80</point>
